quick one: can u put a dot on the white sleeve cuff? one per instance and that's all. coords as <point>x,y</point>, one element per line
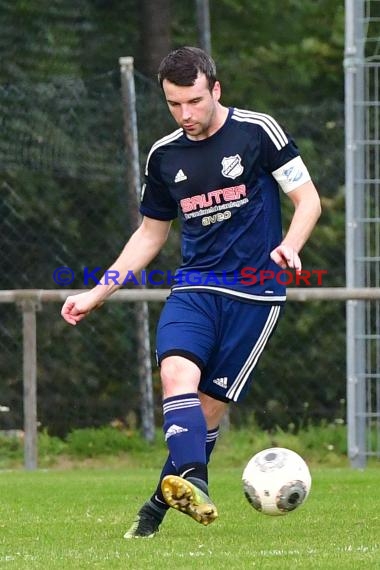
<point>291,175</point>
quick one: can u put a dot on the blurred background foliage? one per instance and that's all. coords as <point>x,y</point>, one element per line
<point>64,199</point>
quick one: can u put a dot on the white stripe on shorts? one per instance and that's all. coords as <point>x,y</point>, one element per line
<point>241,379</point>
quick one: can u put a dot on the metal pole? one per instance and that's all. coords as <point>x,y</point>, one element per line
<point>203,24</point>
<point>350,68</point>
<point>29,326</point>
<point>133,189</point>
<point>356,399</point>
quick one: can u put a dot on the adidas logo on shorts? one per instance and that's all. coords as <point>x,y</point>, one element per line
<point>174,430</point>
<point>222,382</point>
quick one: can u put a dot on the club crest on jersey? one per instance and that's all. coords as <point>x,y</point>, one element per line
<point>232,166</point>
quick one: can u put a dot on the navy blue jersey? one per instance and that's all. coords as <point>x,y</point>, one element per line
<point>224,190</point>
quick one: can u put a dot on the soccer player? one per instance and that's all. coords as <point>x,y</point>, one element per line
<point>220,171</point>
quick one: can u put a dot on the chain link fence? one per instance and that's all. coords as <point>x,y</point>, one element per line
<point>64,204</point>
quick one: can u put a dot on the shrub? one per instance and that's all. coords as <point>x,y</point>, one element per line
<point>93,442</point>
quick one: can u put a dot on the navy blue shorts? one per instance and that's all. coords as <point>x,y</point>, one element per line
<point>225,337</point>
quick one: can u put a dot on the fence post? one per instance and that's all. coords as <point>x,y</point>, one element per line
<point>133,192</point>
<point>203,25</point>
<point>29,334</point>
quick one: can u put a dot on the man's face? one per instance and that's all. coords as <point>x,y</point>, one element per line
<point>193,107</point>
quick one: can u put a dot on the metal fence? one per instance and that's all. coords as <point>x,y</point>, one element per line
<point>362,71</point>
<point>31,302</point>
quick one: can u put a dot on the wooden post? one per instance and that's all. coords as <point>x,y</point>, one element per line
<point>29,330</point>
<point>133,193</point>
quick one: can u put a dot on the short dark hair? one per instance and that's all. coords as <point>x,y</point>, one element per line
<point>183,65</point>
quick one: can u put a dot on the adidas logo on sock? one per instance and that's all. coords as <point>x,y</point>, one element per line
<point>180,176</point>
<point>174,430</point>
<point>222,382</point>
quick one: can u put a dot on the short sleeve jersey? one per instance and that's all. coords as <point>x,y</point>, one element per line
<point>227,198</point>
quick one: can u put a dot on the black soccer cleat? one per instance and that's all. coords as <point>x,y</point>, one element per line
<point>145,524</point>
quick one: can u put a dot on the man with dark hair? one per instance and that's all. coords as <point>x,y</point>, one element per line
<point>183,65</point>
<point>220,171</point>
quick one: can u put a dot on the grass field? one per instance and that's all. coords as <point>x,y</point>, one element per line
<point>73,519</point>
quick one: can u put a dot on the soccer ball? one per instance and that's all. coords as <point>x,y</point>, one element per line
<point>276,481</point>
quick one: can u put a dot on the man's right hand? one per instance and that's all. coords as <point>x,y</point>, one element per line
<point>77,307</point>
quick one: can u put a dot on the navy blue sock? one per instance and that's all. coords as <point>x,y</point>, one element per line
<point>212,436</point>
<point>157,498</point>
<point>169,469</point>
<point>185,434</point>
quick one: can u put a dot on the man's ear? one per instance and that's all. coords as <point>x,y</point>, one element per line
<point>216,91</point>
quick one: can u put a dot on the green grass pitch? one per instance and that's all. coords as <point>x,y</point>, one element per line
<point>73,519</point>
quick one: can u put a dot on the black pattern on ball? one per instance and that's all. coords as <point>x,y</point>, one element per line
<point>291,496</point>
<point>252,496</point>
